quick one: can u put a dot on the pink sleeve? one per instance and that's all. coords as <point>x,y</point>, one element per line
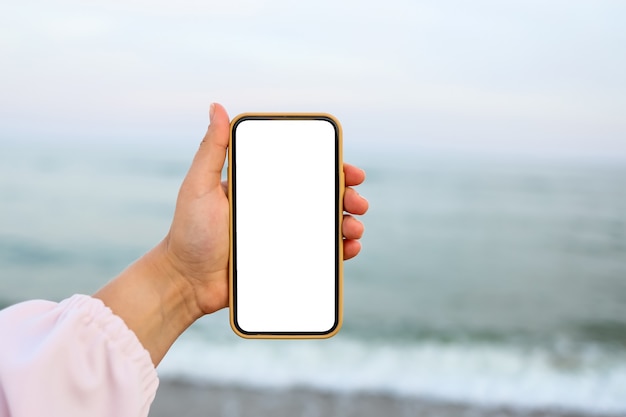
<point>74,358</point>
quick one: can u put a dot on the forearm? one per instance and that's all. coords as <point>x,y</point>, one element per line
<point>153,302</point>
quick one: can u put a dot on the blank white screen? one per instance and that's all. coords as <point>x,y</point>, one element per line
<point>285,225</point>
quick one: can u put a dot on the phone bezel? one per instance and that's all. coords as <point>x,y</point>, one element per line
<point>339,192</point>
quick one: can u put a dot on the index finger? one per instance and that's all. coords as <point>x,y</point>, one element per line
<point>354,175</point>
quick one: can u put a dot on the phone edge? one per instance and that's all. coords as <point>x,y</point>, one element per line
<point>278,115</point>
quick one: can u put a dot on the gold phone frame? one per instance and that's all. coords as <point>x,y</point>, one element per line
<point>339,252</point>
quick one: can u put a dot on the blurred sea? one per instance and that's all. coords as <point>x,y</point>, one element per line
<point>488,280</point>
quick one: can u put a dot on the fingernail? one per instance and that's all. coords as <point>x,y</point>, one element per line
<point>211,111</point>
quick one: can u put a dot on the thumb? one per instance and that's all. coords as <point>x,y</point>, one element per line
<point>205,172</point>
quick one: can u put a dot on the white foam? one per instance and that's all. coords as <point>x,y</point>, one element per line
<point>492,375</point>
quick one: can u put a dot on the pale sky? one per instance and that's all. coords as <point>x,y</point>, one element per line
<point>514,76</point>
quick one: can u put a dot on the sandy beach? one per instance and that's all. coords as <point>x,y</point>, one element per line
<point>182,399</point>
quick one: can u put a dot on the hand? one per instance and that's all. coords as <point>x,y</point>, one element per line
<point>355,204</point>
<point>186,275</point>
<point>198,241</point>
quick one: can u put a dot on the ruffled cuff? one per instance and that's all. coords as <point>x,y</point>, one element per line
<point>120,338</point>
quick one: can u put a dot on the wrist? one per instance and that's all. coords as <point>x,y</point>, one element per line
<point>172,285</point>
<point>201,272</point>
<point>153,301</point>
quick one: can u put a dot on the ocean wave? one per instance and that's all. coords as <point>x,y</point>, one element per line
<point>590,380</point>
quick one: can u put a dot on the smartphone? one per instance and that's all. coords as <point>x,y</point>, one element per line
<point>286,189</point>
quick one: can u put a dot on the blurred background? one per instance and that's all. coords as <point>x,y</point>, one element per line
<point>493,272</point>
